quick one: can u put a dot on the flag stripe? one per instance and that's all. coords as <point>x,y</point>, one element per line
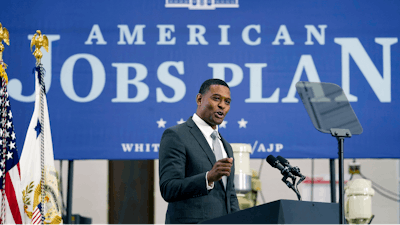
<point>9,219</point>
<point>37,215</point>
<point>16,181</point>
<point>19,171</point>
<point>36,219</point>
<point>10,193</point>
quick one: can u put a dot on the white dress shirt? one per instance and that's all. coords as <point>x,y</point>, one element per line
<point>207,130</point>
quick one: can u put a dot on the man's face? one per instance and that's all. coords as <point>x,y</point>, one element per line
<point>213,106</point>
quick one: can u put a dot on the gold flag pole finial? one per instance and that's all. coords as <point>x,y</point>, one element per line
<point>4,36</point>
<point>39,41</point>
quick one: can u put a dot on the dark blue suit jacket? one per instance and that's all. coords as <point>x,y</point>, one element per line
<point>185,157</point>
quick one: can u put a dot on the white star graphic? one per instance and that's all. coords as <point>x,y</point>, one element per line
<point>1,173</point>
<point>242,123</point>
<point>9,155</point>
<point>2,163</point>
<point>10,115</point>
<point>223,124</point>
<point>7,103</point>
<point>11,145</point>
<point>161,123</point>
<point>180,121</point>
<point>9,124</point>
<point>13,135</point>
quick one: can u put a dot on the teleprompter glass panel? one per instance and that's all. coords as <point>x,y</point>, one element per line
<point>328,107</point>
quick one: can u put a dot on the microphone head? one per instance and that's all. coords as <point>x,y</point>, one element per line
<point>271,160</point>
<point>282,160</point>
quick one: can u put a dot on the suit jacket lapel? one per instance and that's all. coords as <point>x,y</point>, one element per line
<point>195,131</point>
<point>227,147</point>
<point>229,152</point>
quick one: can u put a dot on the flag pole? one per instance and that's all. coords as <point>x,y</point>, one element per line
<point>69,193</point>
<point>4,36</point>
<point>3,155</point>
<point>4,149</point>
<point>39,41</point>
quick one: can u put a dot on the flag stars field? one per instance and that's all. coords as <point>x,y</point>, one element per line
<point>11,145</point>
<point>9,124</point>
<point>9,155</point>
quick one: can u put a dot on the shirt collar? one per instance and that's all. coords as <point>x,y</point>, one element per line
<point>203,126</point>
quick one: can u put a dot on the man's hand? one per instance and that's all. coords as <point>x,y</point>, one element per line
<point>220,168</point>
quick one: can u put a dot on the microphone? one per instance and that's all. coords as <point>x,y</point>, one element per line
<point>276,164</point>
<point>295,170</point>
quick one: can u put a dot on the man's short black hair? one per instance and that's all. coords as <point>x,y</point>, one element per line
<point>206,85</point>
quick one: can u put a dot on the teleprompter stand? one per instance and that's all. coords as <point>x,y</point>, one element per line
<point>331,112</point>
<point>340,135</point>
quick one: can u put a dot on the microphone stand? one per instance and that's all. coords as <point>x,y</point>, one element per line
<point>291,185</point>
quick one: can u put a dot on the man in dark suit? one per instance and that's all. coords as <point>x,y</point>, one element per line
<point>196,185</point>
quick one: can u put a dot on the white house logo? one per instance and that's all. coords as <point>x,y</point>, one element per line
<point>202,4</point>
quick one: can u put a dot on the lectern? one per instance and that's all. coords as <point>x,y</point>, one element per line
<point>283,212</point>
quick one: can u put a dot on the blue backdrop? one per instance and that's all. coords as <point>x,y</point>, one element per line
<point>120,72</point>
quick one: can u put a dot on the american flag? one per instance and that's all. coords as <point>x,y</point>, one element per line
<point>37,214</point>
<point>10,177</point>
